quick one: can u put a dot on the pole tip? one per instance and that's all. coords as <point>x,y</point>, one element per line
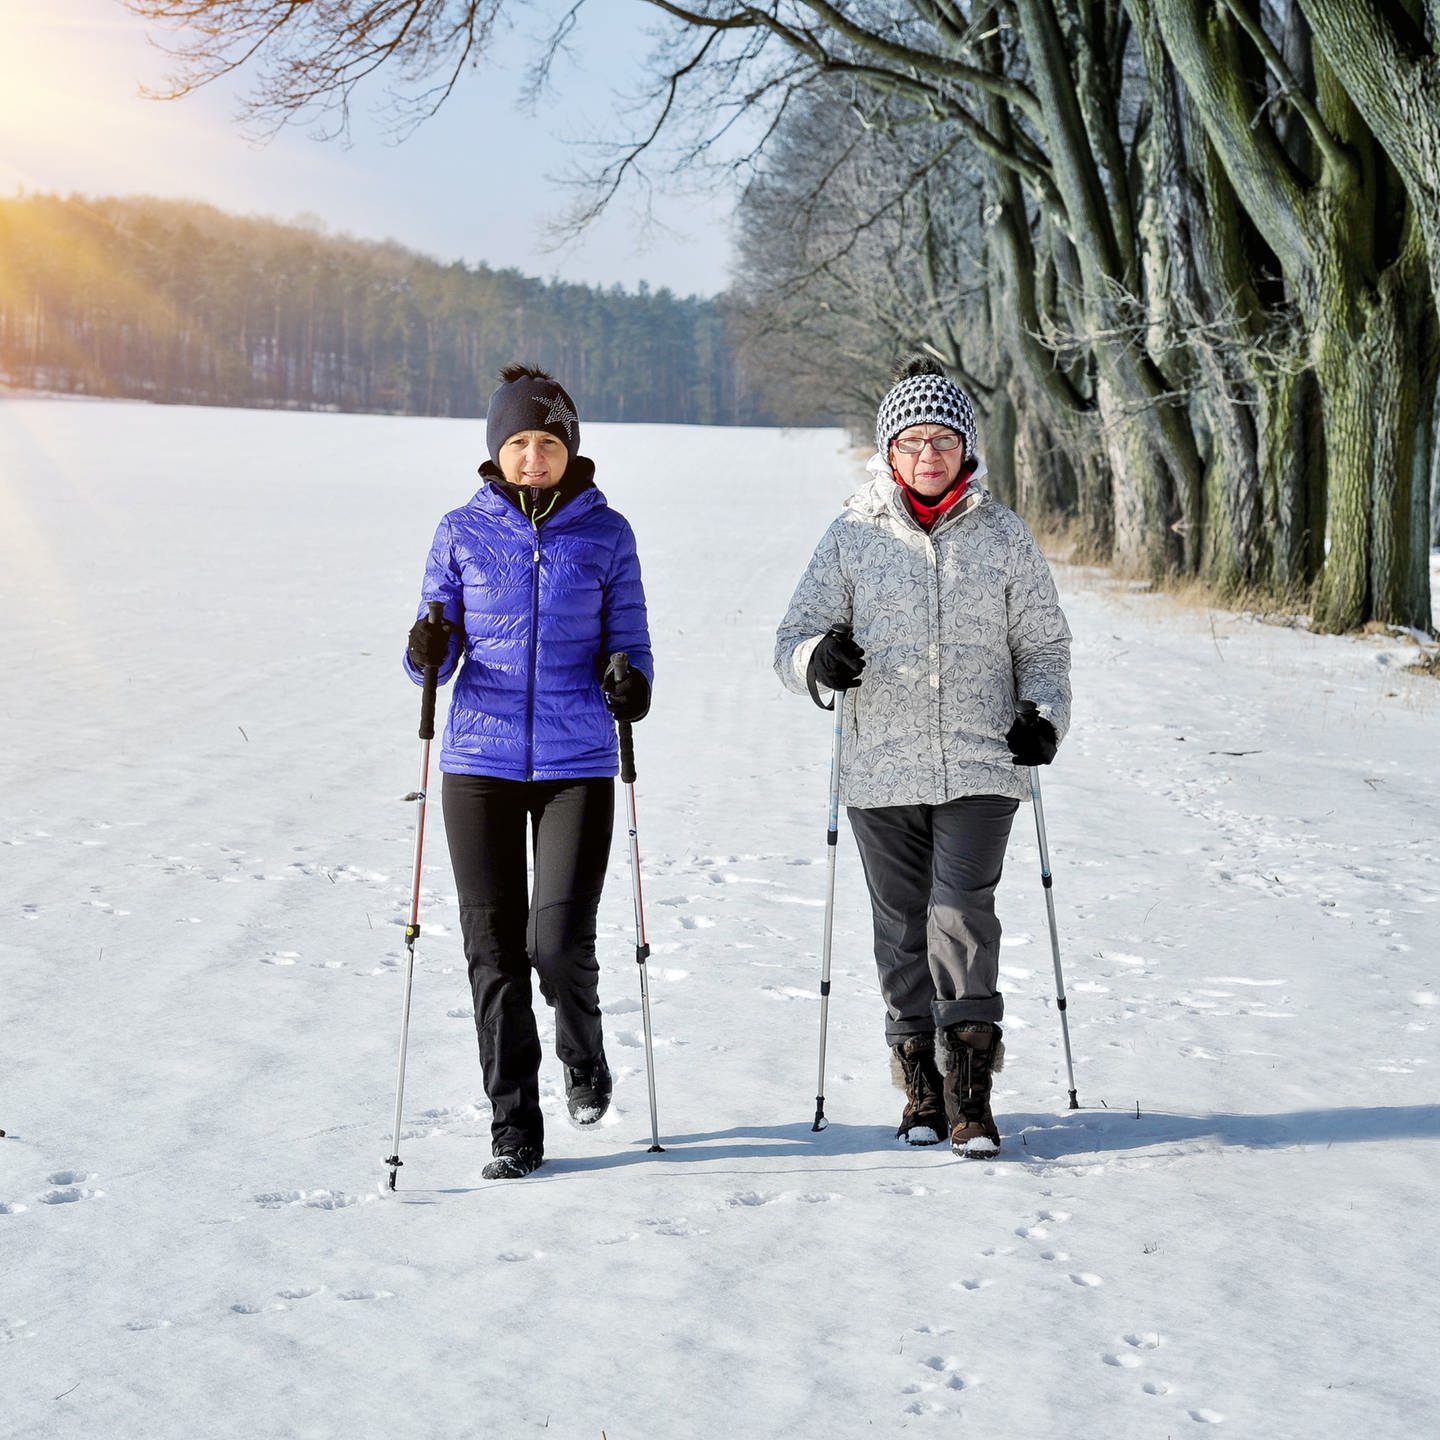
<point>656,1149</point>
<point>1074,1103</point>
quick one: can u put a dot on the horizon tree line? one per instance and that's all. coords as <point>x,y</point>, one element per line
<point>179,302</point>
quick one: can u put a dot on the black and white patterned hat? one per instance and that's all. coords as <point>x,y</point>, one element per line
<point>924,396</point>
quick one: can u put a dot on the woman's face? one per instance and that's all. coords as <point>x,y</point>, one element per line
<point>931,472</point>
<point>533,458</point>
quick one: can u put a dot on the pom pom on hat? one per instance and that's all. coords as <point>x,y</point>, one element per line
<point>530,399</point>
<point>923,394</point>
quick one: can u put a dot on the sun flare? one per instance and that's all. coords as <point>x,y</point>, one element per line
<point>72,113</point>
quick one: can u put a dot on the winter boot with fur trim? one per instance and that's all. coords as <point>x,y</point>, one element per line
<point>913,1069</point>
<point>976,1050</point>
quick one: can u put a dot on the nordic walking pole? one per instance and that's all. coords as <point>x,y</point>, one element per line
<point>412,929</point>
<point>1045,880</point>
<point>832,836</point>
<point>619,668</point>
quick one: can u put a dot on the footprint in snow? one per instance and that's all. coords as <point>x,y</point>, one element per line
<point>1085,1279</point>
<point>365,1295</point>
<point>946,1365</point>
<point>750,1199</point>
<point>311,1199</point>
<point>280,957</point>
<point>1155,1387</point>
<point>299,1292</point>
<point>1143,1342</point>
<point>1122,1361</point>
<point>789,992</point>
<point>972,1285</point>
<point>1207,1417</point>
<point>70,1194</point>
<point>148,1323</point>
<point>679,1227</point>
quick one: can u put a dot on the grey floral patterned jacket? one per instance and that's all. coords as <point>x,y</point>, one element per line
<point>957,626</point>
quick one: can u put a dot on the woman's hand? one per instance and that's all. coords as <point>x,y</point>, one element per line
<point>430,642</point>
<point>836,662</point>
<point>628,697</point>
<point>1032,737</point>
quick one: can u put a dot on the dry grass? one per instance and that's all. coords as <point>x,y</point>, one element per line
<point>1063,544</point>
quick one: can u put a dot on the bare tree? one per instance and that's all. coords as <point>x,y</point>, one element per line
<point>1205,266</point>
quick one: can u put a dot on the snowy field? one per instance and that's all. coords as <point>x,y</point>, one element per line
<point>204,875</point>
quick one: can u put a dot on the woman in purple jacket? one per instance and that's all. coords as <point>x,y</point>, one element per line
<point>540,585</point>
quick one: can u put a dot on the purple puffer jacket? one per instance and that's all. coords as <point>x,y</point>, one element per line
<point>542,611</point>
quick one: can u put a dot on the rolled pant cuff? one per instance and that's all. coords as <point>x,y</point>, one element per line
<point>989,1008</point>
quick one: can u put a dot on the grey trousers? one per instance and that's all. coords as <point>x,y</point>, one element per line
<point>932,872</point>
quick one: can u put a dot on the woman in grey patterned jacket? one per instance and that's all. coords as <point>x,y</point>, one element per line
<point>937,598</point>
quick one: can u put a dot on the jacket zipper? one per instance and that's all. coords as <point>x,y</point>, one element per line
<point>534,661</point>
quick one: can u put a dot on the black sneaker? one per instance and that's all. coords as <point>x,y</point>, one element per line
<point>587,1092</point>
<point>514,1162</point>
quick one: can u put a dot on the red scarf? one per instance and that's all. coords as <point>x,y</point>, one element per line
<point>927,512</point>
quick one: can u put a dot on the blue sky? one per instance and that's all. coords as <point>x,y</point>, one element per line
<point>479,182</point>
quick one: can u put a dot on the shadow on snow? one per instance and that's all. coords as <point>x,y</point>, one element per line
<point>1075,1136</point>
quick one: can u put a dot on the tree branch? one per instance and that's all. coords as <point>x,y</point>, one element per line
<point>1334,153</point>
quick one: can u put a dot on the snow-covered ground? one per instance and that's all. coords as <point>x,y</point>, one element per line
<point>204,873</point>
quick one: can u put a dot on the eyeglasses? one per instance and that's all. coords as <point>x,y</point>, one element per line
<point>910,445</point>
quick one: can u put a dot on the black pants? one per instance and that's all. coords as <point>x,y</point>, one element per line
<point>932,872</point>
<point>506,930</point>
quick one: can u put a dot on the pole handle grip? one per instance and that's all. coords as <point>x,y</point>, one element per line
<point>617,670</point>
<point>432,680</point>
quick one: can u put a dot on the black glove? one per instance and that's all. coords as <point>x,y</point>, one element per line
<point>429,642</point>
<point>836,662</point>
<point>1032,737</point>
<point>628,698</point>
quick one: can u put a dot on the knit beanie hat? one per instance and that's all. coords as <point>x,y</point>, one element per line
<point>924,395</point>
<point>530,399</point>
